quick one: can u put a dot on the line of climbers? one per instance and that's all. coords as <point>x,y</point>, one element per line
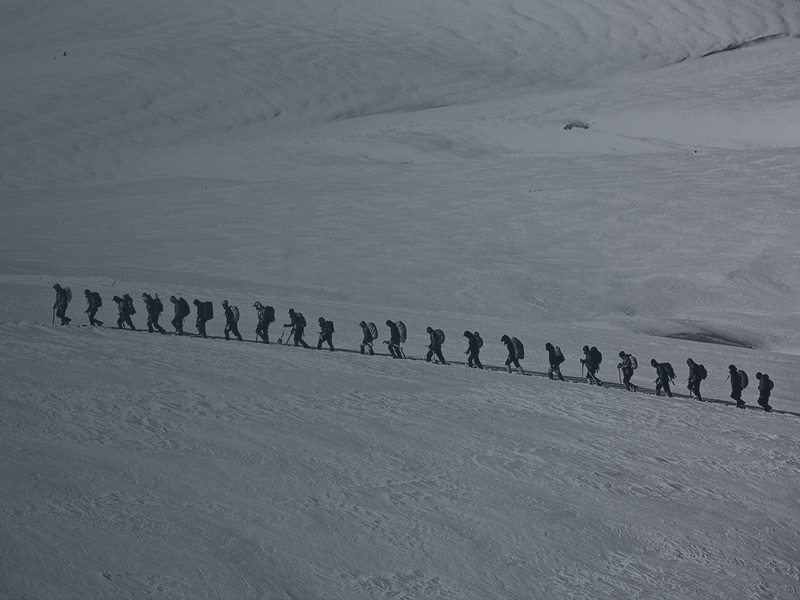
<point>592,357</point>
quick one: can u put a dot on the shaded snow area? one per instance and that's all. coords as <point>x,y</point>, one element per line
<point>414,161</point>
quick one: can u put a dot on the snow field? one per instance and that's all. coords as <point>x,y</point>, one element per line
<point>374,160</point>
<point>230,470</point>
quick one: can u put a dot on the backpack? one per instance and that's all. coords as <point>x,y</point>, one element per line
<point>669,369</point>
<point>300,320</point>
<point>770,384</point>
<point>701,372</point>
<point>208,310</point>
<point>439,336</point>
<point>235,310</point>
<point>401,327</point>
<point>479,339</point>
<point>634,362</point>
<point>269,314</point>
<point>518,348</point>
<point>185,309</point>
<point>745,379</point>
<point>596,355</point>
<point>97,301</point>
<point>159,305</point>
<point>129,302</point>
<point>329,330</point>
<point>373,331</point>
<point>559,356</point>
<point>68,294</point>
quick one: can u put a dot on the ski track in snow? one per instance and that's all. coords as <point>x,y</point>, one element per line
<point>374,160</point>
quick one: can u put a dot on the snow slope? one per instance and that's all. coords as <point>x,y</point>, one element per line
<point>167,467</point>
<point>374,160</point>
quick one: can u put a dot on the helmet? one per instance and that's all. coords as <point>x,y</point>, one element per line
<point>689,361</point>
<point>321,320</point>
<point>256,303</point>
<point>291,311</point>
<point>429,329</point>
<point>622,353</point>
<point>224,303</point>
<point>467,333</point>
<point>585,348</point>
<point>87,292</point>
<point>548,346</point>
<point>653,362</point>
<point>144,294</point>
<point>173,298</point>
<point>731,367</point>
<point>362,324</point>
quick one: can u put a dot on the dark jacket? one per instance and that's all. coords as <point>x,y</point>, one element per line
<point>736,381</point>
<point>694,373</point>
<point>765,386</point>
<point>394,333</point>
<point>662,372</point>
<point>512,351</point>
<point>91,302</point>
<point>626,365</point>
<point>151,306</point>
<point>122,306</point>
<point>589,361</point>
<point>61,297</point>
<point>434,340</point>
<point>199,306</point>
<point>552,357</point>
<point>473,344</point>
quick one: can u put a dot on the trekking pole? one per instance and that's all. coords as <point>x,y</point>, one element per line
<point>283,333</point>
<point>581,370</point>
<point>619,372</point>
<point>54,315</point>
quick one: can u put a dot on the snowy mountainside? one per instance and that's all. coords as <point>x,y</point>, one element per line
<point>184,468</point>
<point>92,89</point>
<point>374,160</point>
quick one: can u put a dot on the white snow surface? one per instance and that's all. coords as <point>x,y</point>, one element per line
<point>404,160</point>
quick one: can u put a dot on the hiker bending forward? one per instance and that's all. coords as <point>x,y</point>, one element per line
<point>434,347</point>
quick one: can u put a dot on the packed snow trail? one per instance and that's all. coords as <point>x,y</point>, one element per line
<point>495,368</point>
